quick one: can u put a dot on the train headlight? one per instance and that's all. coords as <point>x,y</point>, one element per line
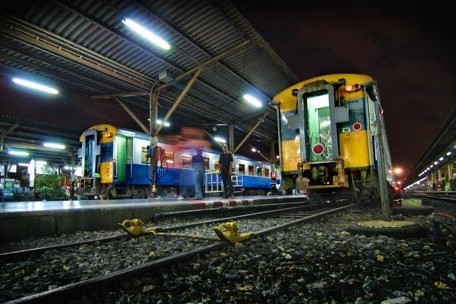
<point>352,87</point>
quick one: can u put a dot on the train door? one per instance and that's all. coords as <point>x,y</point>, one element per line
<point>120,158</point>
<point>318,135</point>
<point>319,142</point>
<point>89,154</point>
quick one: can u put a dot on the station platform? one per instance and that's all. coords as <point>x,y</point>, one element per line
<point>23,220</point>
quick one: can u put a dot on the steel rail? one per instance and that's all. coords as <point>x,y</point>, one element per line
<point>12,255</point>
<point>73,289</point>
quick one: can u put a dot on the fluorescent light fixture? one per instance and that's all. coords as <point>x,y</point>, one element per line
<point>18,153</point>
<point>220,140</point>
<point>35,86</point>
<point>54,146</point>
<point>139,29</point>
<point>126,132</point>
<point>252,100</point>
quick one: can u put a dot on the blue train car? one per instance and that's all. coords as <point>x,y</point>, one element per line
<point>119,163</point>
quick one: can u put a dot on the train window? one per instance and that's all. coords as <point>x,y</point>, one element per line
<point>166,156</point>
<point>144,155</point>
<point>186,161</point>
<point>259,171</point>
<point>251,170</point>
<point>241,169</point>
<point>206,163</point>
<point>266,172</point>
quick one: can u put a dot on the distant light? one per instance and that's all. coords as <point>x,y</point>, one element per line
<point>36,86</point>
<point>146,34</point>
<point>165,124</point>
<point>220,139</point>
<point>18,153</point>
<point>54,146</point>
<point>160,122</point>
<point>397,170</point>
<point>252,100</point>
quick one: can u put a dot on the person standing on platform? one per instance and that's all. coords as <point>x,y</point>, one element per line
<point>226,166</point>
<point>198,167</point>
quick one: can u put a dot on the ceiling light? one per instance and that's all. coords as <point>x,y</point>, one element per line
<point>35,86</point>
<point>220,140</point>
<point>139,29</point>
<point>165,124</point>
<point>18,153</point>
<point>160,122</point>
<point>54,146</point>
<point>252,100</point>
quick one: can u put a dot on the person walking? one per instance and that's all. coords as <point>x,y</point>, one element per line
<point>226,166</point>
<point>198,167</point>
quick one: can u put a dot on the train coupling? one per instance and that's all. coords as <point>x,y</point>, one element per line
<point>230,231</point>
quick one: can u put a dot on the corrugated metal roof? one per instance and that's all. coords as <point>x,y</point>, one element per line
<point>84,48</point>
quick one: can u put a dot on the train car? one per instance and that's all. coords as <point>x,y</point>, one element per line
<point>119,163</point>
<point>332,137</point>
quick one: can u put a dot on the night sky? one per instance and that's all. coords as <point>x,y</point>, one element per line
<point>408,48</point>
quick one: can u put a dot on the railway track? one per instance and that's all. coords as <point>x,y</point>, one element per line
<point>74,268</point>
<point>443,195</point>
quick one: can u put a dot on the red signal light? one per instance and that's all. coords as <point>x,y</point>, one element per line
<point>357,126</point>
<point>318,149</point>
